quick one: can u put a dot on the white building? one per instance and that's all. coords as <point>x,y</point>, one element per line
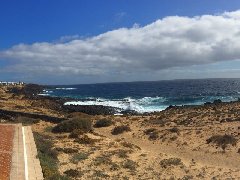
<point>4,83</point>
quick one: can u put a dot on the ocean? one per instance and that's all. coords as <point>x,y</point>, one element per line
<point>149,96</point>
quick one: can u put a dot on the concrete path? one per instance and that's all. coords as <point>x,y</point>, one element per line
<point>17,167</point>
<point>33,170</point>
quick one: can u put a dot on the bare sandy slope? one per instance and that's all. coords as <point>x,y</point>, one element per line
<point>176,150</point>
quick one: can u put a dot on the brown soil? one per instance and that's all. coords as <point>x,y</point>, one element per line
<point>6,145</point>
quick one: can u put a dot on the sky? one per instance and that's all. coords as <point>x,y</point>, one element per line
<point>92,41</point>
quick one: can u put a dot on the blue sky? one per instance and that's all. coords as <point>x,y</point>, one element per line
<point>58,22</point>
<point>29,21</point>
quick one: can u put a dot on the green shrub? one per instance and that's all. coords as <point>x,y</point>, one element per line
<point>152,132</point>
<point>122,153</point>
<point>48,157</point>
<point>171,162</point>
<point>120,129</point>
<point>102,160</point>
<point>73,173</point>
<point>70,125</point>
<point>100,174</point>
<point>85,140</point>
<point>76,133</point>
<point>129,164</point>
<point>174,130</point>
<point>222,140</point>
<point>67,150</point>
<point>103,123</point>
<point>79,157</point>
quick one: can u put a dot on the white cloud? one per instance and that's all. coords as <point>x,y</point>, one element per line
<point>169,42</point>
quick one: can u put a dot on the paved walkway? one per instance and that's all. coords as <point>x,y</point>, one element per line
<point>18,154</point>
<point>34,170</point>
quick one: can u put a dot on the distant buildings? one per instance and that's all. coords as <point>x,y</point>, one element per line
<point>2,83</point>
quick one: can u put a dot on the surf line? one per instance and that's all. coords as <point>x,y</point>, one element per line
<point>25,154</point>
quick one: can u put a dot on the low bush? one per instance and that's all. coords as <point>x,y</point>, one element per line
<point>103,123</point>
<point>222,140</point>
<point>174,130</point>
<point>70,125</point>
<point>129,164</point>
<point>76,133</point>
<point>152,132</point>
<point>120,129</point>
<point>79,157</point>
<point>171,162</point>
<point>122,153</point>
<point>85,140</point>
<point>66,150</point>
<point>102,160</point>
<point>100,175</point>
<point>73,173</point>
<point>48,157</point>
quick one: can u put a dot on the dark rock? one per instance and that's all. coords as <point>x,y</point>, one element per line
<point>207,103</point>
<point>218,101</point>
<point>28,90</point>
<point>91,109</point>
<point>129,112</point>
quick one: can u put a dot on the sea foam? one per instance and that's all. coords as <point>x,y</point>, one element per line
<point>141,105</point>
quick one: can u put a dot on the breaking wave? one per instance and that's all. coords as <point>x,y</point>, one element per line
<point>146,104</point>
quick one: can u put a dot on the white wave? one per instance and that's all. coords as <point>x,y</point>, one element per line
<point>140,105</point>
<point>66,88</point>
<point>43,94</point>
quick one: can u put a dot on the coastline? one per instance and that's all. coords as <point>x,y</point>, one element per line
<point>181,142</point>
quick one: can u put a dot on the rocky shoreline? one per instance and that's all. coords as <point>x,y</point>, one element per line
<point>31,92</point>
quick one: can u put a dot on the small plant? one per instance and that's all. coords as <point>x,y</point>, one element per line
<point>103,123</point>
<point>47,156</point>
<point>100,174</point>
<point>171,162</point>
<point>73,173</point>
<point>122,153</point>
<point>129,164</point>
<point>79,157</point>
<point>70,125</point>
<point>48,129</point>
<point>120,129</point>
<point>222,140</point>
<point>102,160</point>
<point>67,150</point>
<point>76,133</point>
<point>174,130</point>
<point>152,132</point>
<point>85,140</point>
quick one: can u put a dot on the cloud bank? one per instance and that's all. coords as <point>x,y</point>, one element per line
<point>167,43</point>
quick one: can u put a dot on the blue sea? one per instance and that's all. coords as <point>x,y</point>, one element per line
<point>149,96</point>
